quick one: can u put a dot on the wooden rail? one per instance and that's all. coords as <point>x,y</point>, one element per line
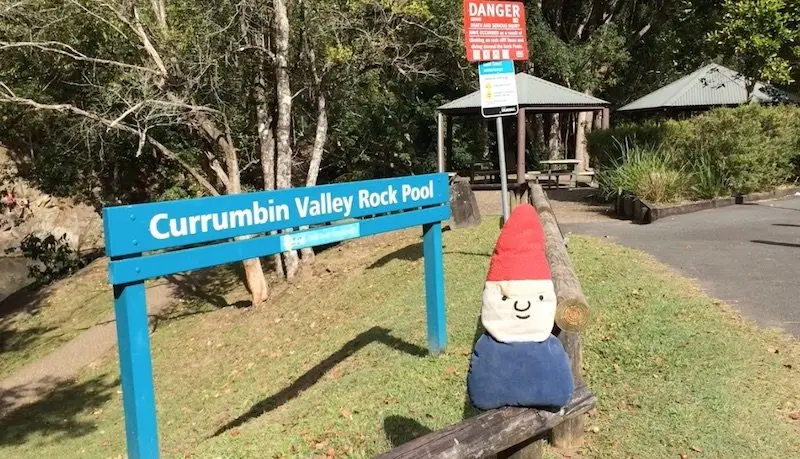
<point>492,432</point>
<point>520,433</point>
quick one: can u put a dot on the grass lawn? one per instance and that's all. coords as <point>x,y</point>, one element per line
<point>336,366</point>
<point>60,312</point>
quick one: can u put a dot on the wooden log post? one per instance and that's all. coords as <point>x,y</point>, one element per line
<point>572,311</point>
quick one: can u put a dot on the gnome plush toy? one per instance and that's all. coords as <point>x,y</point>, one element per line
<point>517,361</point>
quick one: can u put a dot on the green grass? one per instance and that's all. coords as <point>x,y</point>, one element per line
<point>60,312</point>
<point>336,365</point>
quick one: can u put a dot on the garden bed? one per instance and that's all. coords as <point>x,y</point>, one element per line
<point>630,207</point>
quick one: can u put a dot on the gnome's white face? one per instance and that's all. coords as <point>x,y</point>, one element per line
<point>519,310</point>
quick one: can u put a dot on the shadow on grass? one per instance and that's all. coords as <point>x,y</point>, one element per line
<point>210,285</point>
<point>58,411</point>
<point>400,429</point>
<point>411,252</point>
<point>15,340</point>
<point>307,380</point>
<point>471,254</point>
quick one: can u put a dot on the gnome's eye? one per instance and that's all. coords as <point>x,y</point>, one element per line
<point>541,297</point>
<point>505,297</point>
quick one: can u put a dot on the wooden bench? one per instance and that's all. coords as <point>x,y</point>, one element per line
<point>520,433</point>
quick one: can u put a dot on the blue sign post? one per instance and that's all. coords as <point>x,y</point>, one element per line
<point>341,211</point>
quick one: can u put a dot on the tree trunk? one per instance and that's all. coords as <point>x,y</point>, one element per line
<point>554,136</point>
<point>254,273</point>
<point>591,121</point>
<point>581,152</point>
<point>321,134</point>
<point>160,11</point>
<point>266,139</point>
<point>597,120</point>
<point>536,135</point>
<point>320,137</point>
<point>283,125</point>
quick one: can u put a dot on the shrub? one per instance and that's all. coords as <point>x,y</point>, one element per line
<point>725,151</point>
<point>648,172</point>
<point>54,258</point>
<point>709,177</point>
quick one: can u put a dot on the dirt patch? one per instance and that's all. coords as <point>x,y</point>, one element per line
<point>570,206</point>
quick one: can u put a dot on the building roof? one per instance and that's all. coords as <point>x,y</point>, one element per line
<point>709,86</point>
<point>532,92</point>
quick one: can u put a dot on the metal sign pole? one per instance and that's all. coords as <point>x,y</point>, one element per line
<point>501,150</point>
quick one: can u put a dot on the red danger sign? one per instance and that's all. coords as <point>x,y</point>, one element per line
<point>495,30</point>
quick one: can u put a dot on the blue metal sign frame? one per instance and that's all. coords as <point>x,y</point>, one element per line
<point>157,239</point>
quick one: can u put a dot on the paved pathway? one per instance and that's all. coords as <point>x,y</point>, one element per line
<point>747,255</point>
<point>41,376</point>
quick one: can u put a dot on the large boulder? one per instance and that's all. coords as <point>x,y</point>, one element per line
<point>463,205</point>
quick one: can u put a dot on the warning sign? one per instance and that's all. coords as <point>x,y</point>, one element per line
<point>495,30</point>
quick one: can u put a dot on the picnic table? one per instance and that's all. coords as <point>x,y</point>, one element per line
<point>558,167</point>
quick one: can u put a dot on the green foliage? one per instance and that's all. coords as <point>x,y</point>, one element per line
<point>710,176</point>
<point>725,151</point>
<point>754,33</point>
<point>53,258</point>
<point>649,173</point>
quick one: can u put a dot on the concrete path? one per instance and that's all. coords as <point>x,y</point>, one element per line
<point>40,377</point>
<point>746,255</point>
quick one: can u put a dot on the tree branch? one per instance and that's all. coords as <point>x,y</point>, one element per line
<point>10,98</point>
<point>67,50</point>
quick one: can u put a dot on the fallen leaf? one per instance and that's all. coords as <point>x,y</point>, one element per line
<point>235,433</point>
<point>795,416</point>
<point>772,350</point>
<point>319,446</point>
<point>695,449</point>
<point>684,456</point>
<point>451,370</point>
<point>330,452</point>
<point>594,429</point>
<point>347,415</point>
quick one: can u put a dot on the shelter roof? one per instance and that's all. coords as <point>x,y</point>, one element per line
<point>709,86</point>
<point>532,93</point>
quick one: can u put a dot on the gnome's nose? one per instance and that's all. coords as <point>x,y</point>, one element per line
<point>517,308</point>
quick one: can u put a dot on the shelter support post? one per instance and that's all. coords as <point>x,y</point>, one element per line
<point>136,370</point>
<point>606,118</point>
<point>521,125</point>
<point>440,143</point>
<point>448,156</point>
<point>434,287</point>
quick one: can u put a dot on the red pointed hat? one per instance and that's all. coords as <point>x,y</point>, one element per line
<point>520,252</point>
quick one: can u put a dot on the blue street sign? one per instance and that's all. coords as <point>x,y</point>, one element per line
<point>150,240</point>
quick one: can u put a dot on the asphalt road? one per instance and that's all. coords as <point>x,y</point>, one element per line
<point>746,255</point>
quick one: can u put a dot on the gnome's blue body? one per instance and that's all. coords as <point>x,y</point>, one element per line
<point>517,361</point>
<point>519,374</point>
